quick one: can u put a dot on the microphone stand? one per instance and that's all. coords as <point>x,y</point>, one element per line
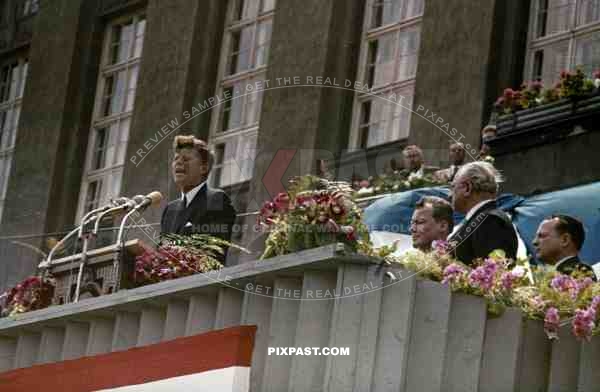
<point>86,237</point>
<point>119,251</point>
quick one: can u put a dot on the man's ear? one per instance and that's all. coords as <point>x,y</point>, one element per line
<point>565,239</point>
<point>444,226</point>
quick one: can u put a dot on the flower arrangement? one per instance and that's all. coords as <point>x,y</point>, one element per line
<point>571,85</point>
<point>560,299</point>
<point>178,256</point>
<point>33,293</point>
<point>575,84</point>
<point>540,293</point>
<point>397,181</point>
<point>313,212</point>
<point>491,278</point>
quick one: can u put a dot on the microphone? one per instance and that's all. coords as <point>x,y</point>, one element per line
<point>151,199</point>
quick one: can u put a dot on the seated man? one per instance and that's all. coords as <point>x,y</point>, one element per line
<point>200,209</point>
<point>432,220</point>
<point>412,157</point>
<point>485,227</point>
<point>457,159</point>
<point>558,241</point>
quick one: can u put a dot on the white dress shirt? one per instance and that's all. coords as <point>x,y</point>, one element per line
<point>189,196</point>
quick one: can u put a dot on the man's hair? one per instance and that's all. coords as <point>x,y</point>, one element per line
<point>489,128</point>
<point>411,148</point>
<point>459,144</point>
<point>572,226</point>
<point>484,177</point>
<point>190,141</point>
<point>442,210</point>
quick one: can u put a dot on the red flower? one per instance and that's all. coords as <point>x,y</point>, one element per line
<point>282,202</point>
<point>509,93</point>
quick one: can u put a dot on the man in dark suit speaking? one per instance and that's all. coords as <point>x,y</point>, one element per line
<point>485,227</point>
<point>201,209</point>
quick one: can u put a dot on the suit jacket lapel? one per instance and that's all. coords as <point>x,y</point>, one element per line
<point>196,207</point>
<point>178,210</point>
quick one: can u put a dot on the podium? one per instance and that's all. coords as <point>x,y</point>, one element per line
<point>105,271</point>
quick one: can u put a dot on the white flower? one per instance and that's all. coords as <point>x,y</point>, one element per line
<point>519,271</point>
<point>539,100</point>
<point>365,191</point>
<point>597,83</point>
<point>414,176</point>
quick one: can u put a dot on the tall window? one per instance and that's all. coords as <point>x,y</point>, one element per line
<point>563,34</point>
<point>243,64</point>
<point>115,95</point>
<point>387,65</point>
<point>12,84</point>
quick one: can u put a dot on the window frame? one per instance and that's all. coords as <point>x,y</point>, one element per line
<point>368,35</point>
<point>11,104</point>
<point>570,36</point>
<point>218,134</point>
<point>107,70</point>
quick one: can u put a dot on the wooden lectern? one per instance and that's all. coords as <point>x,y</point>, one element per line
<point>105,271</point>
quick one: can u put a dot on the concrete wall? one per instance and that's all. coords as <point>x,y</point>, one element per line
<point>52,134</point>
<point>405,334</point>
<point>468,54</point>
<point>548,167</point>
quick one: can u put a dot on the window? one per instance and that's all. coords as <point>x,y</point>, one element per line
<point>30,7</point>
<point>244,58</point>
<point>387,65</point>
<point>115,96</point>
<point>12,85</point>
<point>563,34</point>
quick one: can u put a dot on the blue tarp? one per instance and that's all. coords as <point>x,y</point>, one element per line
<point>393,212</point>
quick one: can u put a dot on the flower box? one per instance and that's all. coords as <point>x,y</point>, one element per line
<point>544,124</point>
<point>551,113</point>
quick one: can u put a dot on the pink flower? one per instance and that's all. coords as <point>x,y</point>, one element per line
<point>483,276</point>
<point>508,93</point>
<point>453,273</point>
<point>551,323</point>
<point>364,184</point>
<point>584,323</point>
<point>597,74</point>
<point>562,283</point>
<point>507,280</point>
<point>441,247</point>
<point>282,202</point>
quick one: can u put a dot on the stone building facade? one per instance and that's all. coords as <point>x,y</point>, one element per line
<point>102,86</point>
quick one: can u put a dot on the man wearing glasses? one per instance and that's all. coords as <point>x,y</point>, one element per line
<point>485,227</point>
